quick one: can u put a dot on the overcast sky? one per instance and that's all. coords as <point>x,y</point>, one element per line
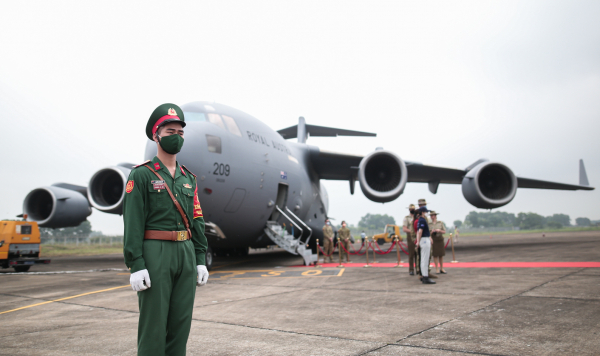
<point>440,82</point>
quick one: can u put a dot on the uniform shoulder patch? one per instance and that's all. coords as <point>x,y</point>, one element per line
<point>184,167</point>
<point>129,186</point>
<point>141,164</point>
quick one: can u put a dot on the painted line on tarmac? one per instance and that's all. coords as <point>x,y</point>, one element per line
<point>230,264</point>
<point>477,265</point>
<point>67,272</point>
<point>66,298</point>
<point>262,274</point>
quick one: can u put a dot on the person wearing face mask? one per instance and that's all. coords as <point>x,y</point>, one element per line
<point>164,241</point>
<point>409,229</point>
<point>424,242</point>
<point>328,241</point>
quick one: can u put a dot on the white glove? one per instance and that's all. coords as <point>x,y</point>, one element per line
<point>202,275</point>
<point>137,280</point>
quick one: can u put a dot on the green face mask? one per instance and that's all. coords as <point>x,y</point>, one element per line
<point>171,144</point>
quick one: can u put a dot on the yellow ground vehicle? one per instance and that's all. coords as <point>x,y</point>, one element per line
<point>20,245</point>
<point>389,234</point>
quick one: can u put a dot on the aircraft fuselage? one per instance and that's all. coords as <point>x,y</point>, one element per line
<point>240,172</point>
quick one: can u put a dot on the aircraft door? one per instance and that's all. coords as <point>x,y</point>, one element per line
<point>281,201</point>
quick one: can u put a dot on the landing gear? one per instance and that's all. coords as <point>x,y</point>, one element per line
<point>209,258</point>
<point>241,251</point>
<point>231,252</point>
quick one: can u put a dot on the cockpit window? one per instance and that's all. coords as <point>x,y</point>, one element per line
<point>232,126</point>
<point>214,143</point>
<point>216,119</point>
<point>194,116</point>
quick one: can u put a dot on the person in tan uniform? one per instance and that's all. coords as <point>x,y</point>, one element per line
<point>423,204</point>
<point>328,241</point>
<point>438,229</point>
<point>409,229</point>
<point>344,235</point>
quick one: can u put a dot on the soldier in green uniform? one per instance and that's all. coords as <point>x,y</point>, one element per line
<point>164,241</point>
<point>438,229</point>
<point>409,229</point>
<point>328,241</point>
<point>344,235</point>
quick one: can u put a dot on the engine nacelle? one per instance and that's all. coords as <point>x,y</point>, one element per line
<point>59,205</point>
<point>106,190</point>
<point>489,185</point>
<point>382,176</point>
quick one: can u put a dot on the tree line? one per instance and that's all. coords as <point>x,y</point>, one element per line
<point>524,221</point>
<point>83,230</point>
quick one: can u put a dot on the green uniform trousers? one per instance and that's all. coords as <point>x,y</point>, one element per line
<point>346,244</point>
<point>166,307</point>
<point>328,249</point>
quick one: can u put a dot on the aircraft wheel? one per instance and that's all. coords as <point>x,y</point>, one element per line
<point>21,268</point>
<point>221,252</point>
<point>209,258</point>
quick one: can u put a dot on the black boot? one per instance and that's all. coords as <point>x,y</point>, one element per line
<point>427,280</point>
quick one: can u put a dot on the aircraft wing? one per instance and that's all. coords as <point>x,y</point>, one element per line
<point>333,165</point>
<point>340,166</point>
<point>543,184</point>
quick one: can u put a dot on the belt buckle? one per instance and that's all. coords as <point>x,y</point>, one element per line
<point>181,235</point>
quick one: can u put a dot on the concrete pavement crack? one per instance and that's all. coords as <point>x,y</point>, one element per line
<point>287,331</point>
<point>442,349</point>
<point>487,306</point>
<point>38,331</point>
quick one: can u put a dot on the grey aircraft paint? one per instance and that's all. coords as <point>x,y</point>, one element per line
<point>248,171</point>
<point>245,170</point>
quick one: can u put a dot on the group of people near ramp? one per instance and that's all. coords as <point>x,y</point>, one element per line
<point>425,239</point>
<point>328,243</point>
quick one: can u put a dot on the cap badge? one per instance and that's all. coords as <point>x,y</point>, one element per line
<point>172,112</point>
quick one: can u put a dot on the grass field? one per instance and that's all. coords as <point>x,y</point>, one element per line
<point>81,250</point>
<point>514,232</point>
<point>90,250</point>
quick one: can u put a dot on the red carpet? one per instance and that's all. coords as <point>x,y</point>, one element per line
<point>482,265</point>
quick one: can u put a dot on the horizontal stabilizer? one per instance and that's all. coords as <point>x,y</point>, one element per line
<point>322,131</point>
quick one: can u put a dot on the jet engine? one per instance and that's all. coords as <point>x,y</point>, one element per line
<point>59,205</point>
<point>382,176</point>
<point>107,188</point>
<point>489,185</point>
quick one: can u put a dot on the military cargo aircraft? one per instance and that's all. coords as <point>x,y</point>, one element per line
<point>252,181</point>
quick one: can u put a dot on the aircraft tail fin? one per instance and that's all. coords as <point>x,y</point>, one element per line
<point>583,179</point>
<point>303,130</point>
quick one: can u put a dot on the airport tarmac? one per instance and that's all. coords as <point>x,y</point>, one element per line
<point>262,304</point>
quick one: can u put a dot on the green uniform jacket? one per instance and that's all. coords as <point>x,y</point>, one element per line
<point>147,206</point>
<point>344,233</point>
